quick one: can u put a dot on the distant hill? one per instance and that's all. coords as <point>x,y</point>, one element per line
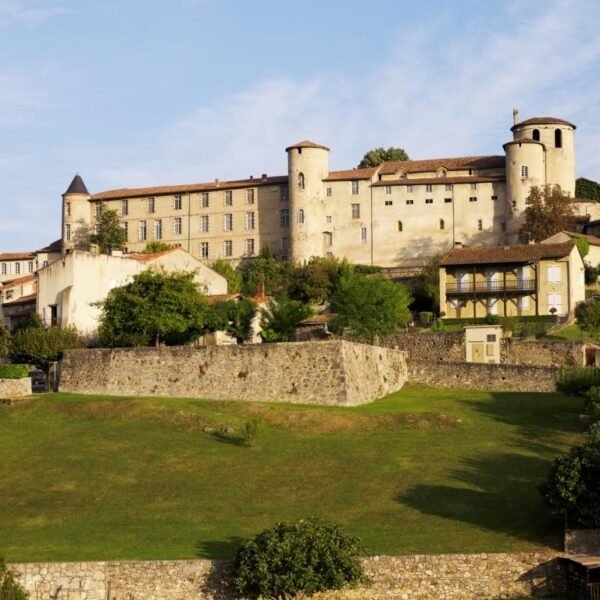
<point>588,189</point>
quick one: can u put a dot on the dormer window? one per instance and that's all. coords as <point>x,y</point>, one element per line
<point>441,173</point>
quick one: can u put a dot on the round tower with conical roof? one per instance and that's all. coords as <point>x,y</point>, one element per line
<point>76,212</point>
<point>308,166</point>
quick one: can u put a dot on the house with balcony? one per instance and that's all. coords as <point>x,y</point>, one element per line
<point>511,281</point>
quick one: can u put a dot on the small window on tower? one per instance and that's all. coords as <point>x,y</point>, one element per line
<point>301,180</point>
<point>442,224</point>
<point>536,135</point>
<point>557,138</point>
<point>400,226</point>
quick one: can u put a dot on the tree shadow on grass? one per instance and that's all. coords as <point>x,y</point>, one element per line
<point>221,549</point>
<point>231,438</point>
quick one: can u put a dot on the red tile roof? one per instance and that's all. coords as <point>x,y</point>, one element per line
<point>518,253</point>
<point>144,257</point>
<point>542,121</point>
<point>16,255</point>
<point>23,299</point>
<point>306,144</point>
<point>437,180</point>
<point>351,174</point>
<point>55,246</point>
<point>452,164</point>
<point>16,282</point>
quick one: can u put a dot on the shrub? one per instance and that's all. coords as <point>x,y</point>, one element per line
<point>528,329</point>
<point>576,381</point>
<point>438,326</point>
<point>508,325</point>
<point>253,430</point>
<point>10,589</point>
<point>307,556</point>
<point>13,371</point>
<point>426,318</point>
<point>492,319</point>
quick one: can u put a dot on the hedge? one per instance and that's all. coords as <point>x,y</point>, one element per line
<point>14,371</point>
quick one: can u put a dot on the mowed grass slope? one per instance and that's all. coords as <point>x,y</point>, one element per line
<point>421,471</point>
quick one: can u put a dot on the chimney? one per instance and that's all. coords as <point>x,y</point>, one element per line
<point>515,116</point>
<point>264,176</point>
<point>217,182</point>
<point>251,176</point>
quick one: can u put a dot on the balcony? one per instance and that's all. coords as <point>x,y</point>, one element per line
<point>491,288</point>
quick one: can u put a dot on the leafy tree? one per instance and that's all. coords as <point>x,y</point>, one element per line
<point>235,317</point>
<point>425,287</point>
<point>10,588</point>
<point>155,307</point>
<point>109,233</point>
<point>572,489</point>
<point>280,319</point>
<point>4,341</point>
<point>315,280</point>
<point>234,278</point>
<point>548,211</point>
<point>290,559</point>
<point>369,306</point>
<point>39,346</point>
<point>582,245</point>
<point>374,158</point>
<point>591,273</point>
<point>156,246</point>
<point>588,317</point>
<point>587,189</point>
<point>265,269</point>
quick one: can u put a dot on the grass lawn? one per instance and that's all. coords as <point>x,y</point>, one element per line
<point>573,333</point>
<point>420,471</point>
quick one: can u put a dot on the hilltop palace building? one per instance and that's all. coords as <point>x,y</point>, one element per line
<point>397,214</point>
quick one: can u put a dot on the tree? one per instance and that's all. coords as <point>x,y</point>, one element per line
<point>265,269</point>
<point>155,307</point>
<point>39,346</point>
<point>373,158</point>
<point>4,341</point>
<point>582,244</point>
<point>10,588</point>
<point>292,559</point>
<point>155,246</point>
<point>588,317</point>
<point>548,211</point>
<point>234,278</point>
<point>315,280</point>
<point>587,189</point>
<point>572,489</point>
<point>425,287</point>
<point>109,233</point>
<point>235,317</point>
<point>280,319</point>
<point>366,307</point>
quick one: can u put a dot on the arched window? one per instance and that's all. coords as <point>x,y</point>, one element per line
<point>301,180</point>
<point>442,224</point>
<point>399,225</point>
<point>557,138</point>
<point>536,135</point>
<point>301,216</point>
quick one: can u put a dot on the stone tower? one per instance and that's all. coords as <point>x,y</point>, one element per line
<point>308,166</point>
<point>76,211</point>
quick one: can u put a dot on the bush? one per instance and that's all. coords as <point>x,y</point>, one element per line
<point>576,381</point>
<point>253,430</point>
<point>10,589</point>
<point>13,371</point>
<point>307,556</point>
<point>425,318</point>
<point>438,326</point>
<point>492,319</point>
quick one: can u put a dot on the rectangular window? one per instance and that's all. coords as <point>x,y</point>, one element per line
<point>524,171</point>
<point>177,202</point>
<point>204,223</point>
<point>554,274</point>
<point>4,270</point>
<point>283,193</point>
<point>409,188</point>
<point>250,196</point>
<point>355,187</point>
<point>328,219</point>
<point>228,198</point>
<point>429,187</point>
<point>68,232</point>
<point>158,230</point>
<point>363,235</point>
<point>142,231</point>
<point>448,187</point>
<point>250,220</point>
<point>125,228</point>
<point>503,226</point>
<point>124,208</point>
<point>448,200</point>
<point>473,186</point>
<point>203,249</point>
<point>68,209</point>
<point>555,301</point>
<point>428,200</point>
<point>328,238</point>
<point>479,225</point>
<point>356,211</point>
<point>250,247</point>
<point>30,266</point>
<point>490,338</point>
<point>228,248</point>
<point>177,226</point>
<point>410,202</point>
<point>98,209</point>
<point>494,197</point>
<point>227,222</point>
<point>389,202</point>
<point>204,200</point>
<point>473,199</point>
<point>284,217</point>
<point>285,245</point>
<point>523,303</point>
<point>329,191</point>
<point>388,189</point>
<point>150,206</point>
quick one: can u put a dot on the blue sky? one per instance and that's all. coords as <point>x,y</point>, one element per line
<point>143,92</point>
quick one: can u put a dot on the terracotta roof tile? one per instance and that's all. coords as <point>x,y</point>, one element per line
<point>518,253</point>
<point>23,299</point>
<point>17,255</point>
<point>463,162</point>
<point>16,282</point>
<point>55,246</point>
<point>437,180</point>
<point>144,257</point>
<point>351,174</point>
<point>592,239</point>
<point>306,144</point>
<point>542,121</point>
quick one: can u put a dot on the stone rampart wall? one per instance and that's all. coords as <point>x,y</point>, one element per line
<point>477,376</point>
<point>443,577</point>
<point>334,372</point>
<point>15,388</point>
<point>582,541</point>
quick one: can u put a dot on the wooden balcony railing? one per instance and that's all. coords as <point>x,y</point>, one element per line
<point>491,287</point>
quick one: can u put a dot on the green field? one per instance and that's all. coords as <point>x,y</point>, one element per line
<point>421,471</point>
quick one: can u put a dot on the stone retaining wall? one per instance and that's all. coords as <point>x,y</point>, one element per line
<point>477,376</point>
<point>15,388</point>
<point>439,577</point>
<point>582,541</point>
<point>334,372</point>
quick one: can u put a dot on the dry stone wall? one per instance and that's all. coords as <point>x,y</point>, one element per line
<point>15,388</point>
<point>335,372</point>
<point>582,541</point>
<point>440,577</point>
<point>478,376</point>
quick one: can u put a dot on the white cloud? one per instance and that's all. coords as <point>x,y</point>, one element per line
<point>29,13</point>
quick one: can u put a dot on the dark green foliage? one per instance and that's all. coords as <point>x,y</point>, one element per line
<point>576,381</point>
<point>425,287</point>
<point>587,189</point>
<point>13,371</point>
<point>315,280</point>
<point>369,306</point>
<point>280,319</point>
<point>153,308</point>
<point>274,274</point>
<point>109,233</point>
<point>234,278</point>
<point>492,319</point>
<point>253,430</point>
<point>10,589</point>
<point>38,346</point>
<point>307,556</point>
<point>365,269</point>
<point>155,246</point>
<point>29,322</point>
<point>375,157</point>
<point>4,341</point>
<point>438,326</point>
<point>588,317</point>
<point>592,403</point>
<point>548,211</point>
<point>572,489</point>
<point>235,317</point>
<point>426,318</point>
<point>591,273</point>
<point>582,245</point>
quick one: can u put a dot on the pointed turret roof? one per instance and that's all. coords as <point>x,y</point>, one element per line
<point>77,186</point>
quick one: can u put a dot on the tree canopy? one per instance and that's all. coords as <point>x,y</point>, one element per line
<point>156,246</point>
<point>234,278</point>
<point>109,233</point>
<point>548,211</point>
<point>280,319</point>
<point>587,189</point>
<point>153,308</point>
<point>375,157</point>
